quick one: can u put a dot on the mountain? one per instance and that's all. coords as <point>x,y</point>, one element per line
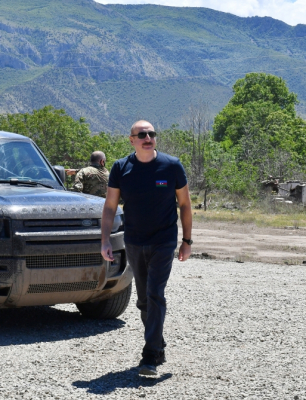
<point>113,64</point>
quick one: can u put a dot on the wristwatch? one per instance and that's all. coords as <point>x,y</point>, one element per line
<point>188,241</point>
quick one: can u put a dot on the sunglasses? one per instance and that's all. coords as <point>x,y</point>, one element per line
<point>142,135</point>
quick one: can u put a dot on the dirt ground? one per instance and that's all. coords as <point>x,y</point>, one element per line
<point>247,242</point>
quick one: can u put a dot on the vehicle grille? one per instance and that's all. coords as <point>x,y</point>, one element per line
<point>59,223</point>
<point>62,287</point>
<point>6,270</point>
<point>63,260</point>
<point>5,276</point>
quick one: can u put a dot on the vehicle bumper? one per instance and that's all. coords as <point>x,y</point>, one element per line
<point>54,269</point>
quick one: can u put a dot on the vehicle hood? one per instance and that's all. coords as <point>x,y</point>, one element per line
<point>37,202</point>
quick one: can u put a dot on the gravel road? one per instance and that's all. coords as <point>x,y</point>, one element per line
<point>234,331</point>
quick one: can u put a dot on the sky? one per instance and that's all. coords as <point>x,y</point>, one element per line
<point>292,12</point>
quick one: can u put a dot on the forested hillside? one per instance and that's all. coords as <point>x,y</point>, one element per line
<point>256,136</point>
<point>114,64</point>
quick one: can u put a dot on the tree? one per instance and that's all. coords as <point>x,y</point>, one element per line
<point>114,146</point>
<point>255,97</point>
<point>178,143</point>
<point>197,122</point>
<point>260,128</point>
<point>264,88</point>
<point>64,140</point>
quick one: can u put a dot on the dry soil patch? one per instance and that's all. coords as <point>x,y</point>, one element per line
<point>247,242</point>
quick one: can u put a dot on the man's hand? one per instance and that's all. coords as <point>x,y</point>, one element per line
<point>70,172</point>
<point>108,214</point>
<point>184,252</point>
<point>107,251</point>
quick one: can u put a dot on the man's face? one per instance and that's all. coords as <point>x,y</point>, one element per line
<point>146,144</point>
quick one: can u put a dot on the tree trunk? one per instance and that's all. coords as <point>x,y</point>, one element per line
<point>205,199</point>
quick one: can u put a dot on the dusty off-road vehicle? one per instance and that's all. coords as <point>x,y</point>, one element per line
<point>50,238</point>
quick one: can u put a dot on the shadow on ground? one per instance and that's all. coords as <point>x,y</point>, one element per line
<point>122,379</point>
<point>47,324</point>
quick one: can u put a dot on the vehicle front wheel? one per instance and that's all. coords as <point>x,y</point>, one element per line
<point>109,308</point>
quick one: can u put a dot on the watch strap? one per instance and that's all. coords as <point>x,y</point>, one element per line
<point>188,241</point>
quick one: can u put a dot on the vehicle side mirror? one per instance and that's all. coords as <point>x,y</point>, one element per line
<point>60,172</point>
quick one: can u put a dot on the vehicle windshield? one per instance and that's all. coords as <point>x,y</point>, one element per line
<point>21,160</point>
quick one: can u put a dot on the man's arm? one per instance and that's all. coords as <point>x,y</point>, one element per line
<point>183,199</point>
<point>105,179</point>
<point>78,182</point>
<point>109,211</point>
<point>71,172</point>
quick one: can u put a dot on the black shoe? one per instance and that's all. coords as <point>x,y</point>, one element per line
<point>148,366</point>
<point>147,370</point>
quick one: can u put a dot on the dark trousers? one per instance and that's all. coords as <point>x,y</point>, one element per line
<point>151,266</point>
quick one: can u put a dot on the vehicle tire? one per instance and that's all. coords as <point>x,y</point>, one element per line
<point>109,308</point>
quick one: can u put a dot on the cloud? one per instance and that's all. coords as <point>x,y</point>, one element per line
<point>290,11</point>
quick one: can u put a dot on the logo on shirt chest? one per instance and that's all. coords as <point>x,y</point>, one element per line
<point>161,183</point>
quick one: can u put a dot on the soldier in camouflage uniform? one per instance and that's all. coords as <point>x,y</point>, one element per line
<point>93,179</point>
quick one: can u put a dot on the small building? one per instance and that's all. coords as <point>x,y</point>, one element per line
<point>296,190</point>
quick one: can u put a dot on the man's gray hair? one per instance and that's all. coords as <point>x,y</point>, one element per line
<point>97,156</point>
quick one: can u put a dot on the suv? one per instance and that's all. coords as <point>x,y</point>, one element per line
<point>50,238</point>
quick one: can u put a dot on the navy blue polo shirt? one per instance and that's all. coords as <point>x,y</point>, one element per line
<point>148,192</point>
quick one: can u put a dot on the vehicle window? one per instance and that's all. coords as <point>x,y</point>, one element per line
<point>22,160</point>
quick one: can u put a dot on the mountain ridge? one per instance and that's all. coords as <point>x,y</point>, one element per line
<point>113,64</point>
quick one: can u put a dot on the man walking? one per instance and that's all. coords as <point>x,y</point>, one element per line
<point>149,182</point>
<point>93,179</point>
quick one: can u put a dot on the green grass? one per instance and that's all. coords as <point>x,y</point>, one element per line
<point>257,217</point>
<point>264,212</point>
